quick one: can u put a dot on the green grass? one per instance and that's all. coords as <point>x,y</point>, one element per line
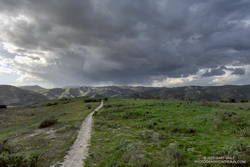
<point>20,127</point>
<point>162,133</point>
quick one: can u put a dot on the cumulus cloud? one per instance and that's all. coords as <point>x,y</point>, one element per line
<point>92,42</point>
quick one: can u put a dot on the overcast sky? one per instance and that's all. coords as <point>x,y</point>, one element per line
<point>57,43</point>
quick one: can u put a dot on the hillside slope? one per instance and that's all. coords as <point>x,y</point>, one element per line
<point>35,88</point>
<point>10,95</point>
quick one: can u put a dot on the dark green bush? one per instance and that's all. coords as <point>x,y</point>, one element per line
<point>92,100</point>
<point>89,106</point>
<point>132,115</point>
<point>107,105</point>
<point>244,101</point>
<point>3,106</point>
<point>48,123</point>
<point>52,104</point>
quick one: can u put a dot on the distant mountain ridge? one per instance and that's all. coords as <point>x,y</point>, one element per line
<point>27,95</point>
<point>198,93</point>
<point>109,91</point>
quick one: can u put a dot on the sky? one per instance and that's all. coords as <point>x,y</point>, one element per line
<point>163,43</point>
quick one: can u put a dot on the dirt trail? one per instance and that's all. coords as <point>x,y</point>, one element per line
<point>79,150</point>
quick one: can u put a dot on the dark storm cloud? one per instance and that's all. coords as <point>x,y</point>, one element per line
<point>214,72</point>
<point>238,71</point>
<point>221,71</point>
<point>129,41</point>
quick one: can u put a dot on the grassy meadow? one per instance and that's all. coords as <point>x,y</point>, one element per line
<point>169,133</point>
<point>127,133</point>
<point>39,135</point>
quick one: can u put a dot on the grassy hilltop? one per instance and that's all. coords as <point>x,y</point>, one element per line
<point>161,133</point>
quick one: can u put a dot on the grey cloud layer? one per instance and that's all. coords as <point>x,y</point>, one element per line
<point>129,41</point>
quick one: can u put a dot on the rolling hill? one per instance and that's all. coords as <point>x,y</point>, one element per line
<point>10,95</point>
<point>35,88</point>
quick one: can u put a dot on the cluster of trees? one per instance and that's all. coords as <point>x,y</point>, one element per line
<point>92,100</point>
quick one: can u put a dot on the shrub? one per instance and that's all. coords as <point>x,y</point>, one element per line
<point>92,100</point>
<point>52,104</point>
<point>244,101</point>
<point>48,123</point>
<point>225,115</point>
<point>132,115</point>
<point>89,106</point>
<point>184,130</point>
<point>107,105</point>
<point>66,100</point>
<point>246,132</point>
<point>236,119</point>
<point>5,148</point>
<point>3,106</point>
<point>232,100</point>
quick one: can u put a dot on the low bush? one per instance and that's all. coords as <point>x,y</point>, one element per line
<point>132,115</point>
<point>88,106</point>
<point>246,132</point>
<point>232,117</point>
<point>3,106</point>
<point>184,130</point>
<point>5,148</point>
<point>52,104</point>
<point>48,123</point>
<point>225,115</point>
<point>228,100</point>
<point>92,100</point>
<point>107,106</point>
<point>244,101</point>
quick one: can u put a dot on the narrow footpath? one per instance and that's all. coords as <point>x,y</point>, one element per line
<point>79,150</point>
